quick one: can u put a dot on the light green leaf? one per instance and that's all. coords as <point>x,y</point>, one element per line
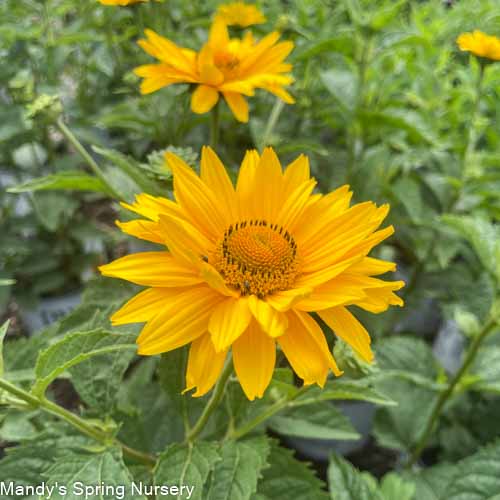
<point>287,478</point>
<point>235,476</point>
<point>407,190</point>
<point>316,421</point>
<point>76,348</point>
<point>187,466</point>
<point>486,370</point>
<point>91,469</point>
<point>3,332</point>
<point>342,85</point>
<point>348,483</point>
<point>75,181</point>
<point>393,487</point>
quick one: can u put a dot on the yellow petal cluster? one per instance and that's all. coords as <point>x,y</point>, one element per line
<point>242,268</point>
<point>480,44</point>
<point>228,67</point>
<point>240,14</point>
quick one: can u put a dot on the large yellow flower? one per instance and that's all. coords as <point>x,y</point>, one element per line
<point>246,266</point>
<point>232,67</point>
<point>240,14</point>
<point>120,2</point>
<point>480,44</point>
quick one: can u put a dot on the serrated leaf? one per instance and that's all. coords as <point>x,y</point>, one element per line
<point>348,483</point>
<point>73,349</point>
<point>187,465</point>
<point>316,421</point>
<point>287,478</point>
<point>486,370</point>
<point>91,469</point>
<point>73,181</point>
<point>235,476</point>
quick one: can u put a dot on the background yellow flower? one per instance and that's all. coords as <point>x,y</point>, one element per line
<point>233,67</point>
<point>120,2</point>
<point>247,265</point>
<point>240,14</point>
<point>480,44</point>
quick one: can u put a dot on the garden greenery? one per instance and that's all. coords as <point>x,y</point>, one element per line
<point>398,100</point>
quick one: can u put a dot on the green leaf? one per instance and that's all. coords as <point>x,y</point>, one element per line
<point>483,236</point>
<point>76,181</point>
<point>407,190</point>
<point>342,85</point>
<point>78,471</point>
<point>287,478</point>
<point>393,487</point>
<point>235,476</point>
<point>3,332</point>
<point>486,370</point>
<point>187,466</point>
<point>348,483</point>
<point>316,421</point>
<point>131,168</point>
<point>73,349</point>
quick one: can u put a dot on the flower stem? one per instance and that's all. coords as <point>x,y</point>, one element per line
<point>212,403</point>
<point>214,126</point>
<point>86,156</point>
<point>77,422</point>
<point>447,393</point>
<point>266,414</point>
<point>271,123</point>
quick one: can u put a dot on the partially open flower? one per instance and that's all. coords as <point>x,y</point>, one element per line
<point>480,44</point>
<point>233,67</point>
<point>246,267</point>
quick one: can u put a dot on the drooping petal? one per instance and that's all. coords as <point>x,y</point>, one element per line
<point>204,365</point>
<point>378,299</point>
<point>238,105</point>
<point>151,269</point>
<point>349,329</point>
<point>228,321</point>
<point>306,349</point>
<point>254,357</point>
<point>182,319</point>
<point>204,98</point>
<point>143,229</point>
<point>272,321</point>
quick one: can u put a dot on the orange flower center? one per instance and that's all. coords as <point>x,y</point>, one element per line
<point>226,61</point>
<point>257,258</point>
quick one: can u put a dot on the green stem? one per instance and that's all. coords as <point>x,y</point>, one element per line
<point>86,156</point>
<point>271,123</point>
<point>212,403</point>
<point>266,414</point>
<point>447,393</point>
<point>214,126</point>
<point>77,422</point>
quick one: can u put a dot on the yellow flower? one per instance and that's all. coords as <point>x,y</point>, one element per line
<point>480,44</point>
<point>232,67</point>
<point>240,14</point>
<point>120,2</point>
<point>246,267</point>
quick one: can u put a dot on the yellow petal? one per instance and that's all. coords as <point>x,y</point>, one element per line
<point>305,347</point>
<point>228,321</point>
<point>143,229</point>
<point>198,202</point>
<point>219,36</point>
<point>204,365</point>
<point>144,306</point>
<point>349,329</point>
<point>379,298</point>
<point>254,357</point>
<point>152,206</point>
<point>295,204</point>
<point>238,105</point>
<point>213,279</point>
<point>204,98</point>
<point>182,319</point>
<point>247,202</point>
<point>372,267</point>
<point>285,300</point>
<point>214,175</point>
<point>273,322</point>
<point>296,173</point>
<point>152,269</point>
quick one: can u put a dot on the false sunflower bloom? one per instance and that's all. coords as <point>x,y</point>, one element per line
<point>480,44</point>
<point>240,14</point>
<point>120,2</point>
<point>233,67</point>
<point>246,267</point>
